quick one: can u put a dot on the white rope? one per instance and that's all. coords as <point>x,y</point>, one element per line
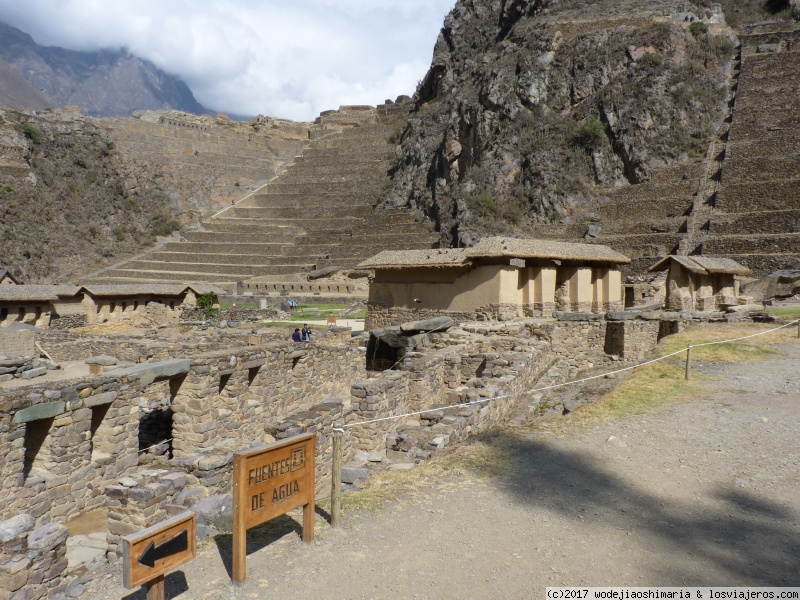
<point>557,385</point>
<point>154,445</point>
<point>746,336</point>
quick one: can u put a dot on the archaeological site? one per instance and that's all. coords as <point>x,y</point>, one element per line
<point>571,183</point>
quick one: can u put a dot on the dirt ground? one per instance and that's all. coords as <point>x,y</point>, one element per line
<point>705,492</point>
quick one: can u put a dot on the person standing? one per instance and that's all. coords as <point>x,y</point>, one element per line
<point>305,334</point>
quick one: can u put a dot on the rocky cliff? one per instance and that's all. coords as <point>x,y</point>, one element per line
<point>532,108</point>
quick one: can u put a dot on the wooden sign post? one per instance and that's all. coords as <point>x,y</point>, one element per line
<point>148,555</point>
<point>268,482</point>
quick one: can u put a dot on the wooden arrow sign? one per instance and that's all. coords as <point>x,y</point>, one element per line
<point>180,543</point>
<point>148,555</point>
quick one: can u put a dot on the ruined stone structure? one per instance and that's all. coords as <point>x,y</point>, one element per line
<point>155,433</point>
<point>319,212</point>
<point>499,278</point>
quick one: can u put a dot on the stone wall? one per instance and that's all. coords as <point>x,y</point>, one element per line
<point>16,343</point>
<point>33,561</point>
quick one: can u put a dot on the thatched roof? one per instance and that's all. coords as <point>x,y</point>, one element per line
<point>702,265</point>
<point>494,247</point>
<point>148,289</point>
<point>405,259</point>
<point>36,293</point>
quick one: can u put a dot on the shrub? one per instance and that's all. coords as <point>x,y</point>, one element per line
<point>32,132</point>
<point>162,228</point>
<point>697,28</point>
<point>591,135</point>
<point>205,302</point>
<point>651,60</point>
<point>482,204</point>
<point>119,234</point>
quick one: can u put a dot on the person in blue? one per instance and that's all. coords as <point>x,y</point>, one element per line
<point>296,335</point>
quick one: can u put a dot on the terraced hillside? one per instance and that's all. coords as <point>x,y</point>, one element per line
<point>756,214</point>
<point>319,212</point>
<point>741,200</point>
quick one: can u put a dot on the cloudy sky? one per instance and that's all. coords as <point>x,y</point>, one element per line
<point>281,58</point>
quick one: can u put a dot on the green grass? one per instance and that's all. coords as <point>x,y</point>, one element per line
<point>784,311</point>
<point>664,383</point>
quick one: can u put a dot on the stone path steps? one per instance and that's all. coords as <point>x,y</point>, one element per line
<point>320,211</point>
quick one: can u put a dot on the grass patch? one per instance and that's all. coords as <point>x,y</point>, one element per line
<point>784,311</point>
<point>663,383</point>
<point>754,348</point>
<point>647,388</point>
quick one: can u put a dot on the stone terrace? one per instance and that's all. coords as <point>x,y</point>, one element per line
<point>319,212</point>
<point>756,218</point>
<point>741,200</point>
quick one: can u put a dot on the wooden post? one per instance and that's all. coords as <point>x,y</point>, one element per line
<point>688,362</point>
<point>155,589</point>
<point>798,329</point>
<point>336,475</point>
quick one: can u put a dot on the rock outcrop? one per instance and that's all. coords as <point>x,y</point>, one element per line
<point>532,108</point>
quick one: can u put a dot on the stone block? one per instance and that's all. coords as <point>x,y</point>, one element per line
<point>47,537</point>
<point>14,527</point>
<point>100,399</point>
<point>30,374</point>
<point>39,411</point>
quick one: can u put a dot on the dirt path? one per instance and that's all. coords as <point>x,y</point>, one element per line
<point>702,493</point>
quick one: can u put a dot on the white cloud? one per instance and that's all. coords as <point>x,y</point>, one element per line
<point>284,59</point>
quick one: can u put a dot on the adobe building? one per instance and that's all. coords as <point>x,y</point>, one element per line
<point>700,283</point>
<point>38,305</point>
<point>139,303</point>
<point>499,278</point>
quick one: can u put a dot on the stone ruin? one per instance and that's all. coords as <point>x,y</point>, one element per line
<point>154,430</point>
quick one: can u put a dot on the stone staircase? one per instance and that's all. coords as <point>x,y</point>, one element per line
<point>321,211</point>
<point>741,201</point>
<point>756,217</point>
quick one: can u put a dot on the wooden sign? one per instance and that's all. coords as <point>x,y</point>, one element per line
<point>268,482</point>
<point>148,555</point>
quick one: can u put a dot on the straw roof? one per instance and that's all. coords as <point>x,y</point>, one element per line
<point>525,248</point>
<point>36,293</point>
<point>702,265</point>
<point>404,259</point>
<point>495,247</point>
<point>139,289</point>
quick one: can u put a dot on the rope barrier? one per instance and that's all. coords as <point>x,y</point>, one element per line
<point>558,385</point>
<point>154,445</point>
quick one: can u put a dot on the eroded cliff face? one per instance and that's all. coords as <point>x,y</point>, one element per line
<point>532,107</point>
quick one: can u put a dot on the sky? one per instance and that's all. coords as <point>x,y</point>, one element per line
<point>281,58</point>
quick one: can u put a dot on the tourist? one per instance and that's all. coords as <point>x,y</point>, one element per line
<point>296,335</point>
<point>306,333</point>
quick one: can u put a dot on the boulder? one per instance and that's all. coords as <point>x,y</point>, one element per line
<point>573,316</point>
<point>427,325</point>
<point>320,273</point>
<point>103,360</point>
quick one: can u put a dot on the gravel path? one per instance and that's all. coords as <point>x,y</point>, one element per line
<point>702,493</point>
